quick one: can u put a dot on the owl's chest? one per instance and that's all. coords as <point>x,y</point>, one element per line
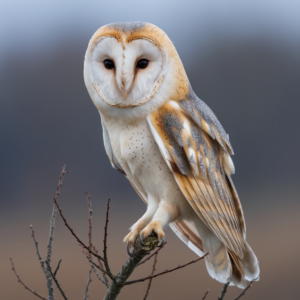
<point>135,149</point>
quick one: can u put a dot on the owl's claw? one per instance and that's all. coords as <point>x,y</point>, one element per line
<point>128,251</point>
<point>142,240</point>
<point>162,242</point>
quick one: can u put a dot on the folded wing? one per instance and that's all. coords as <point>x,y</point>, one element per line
<point>197,150</point>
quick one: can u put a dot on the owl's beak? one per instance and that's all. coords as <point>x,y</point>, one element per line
<point>124,93</point>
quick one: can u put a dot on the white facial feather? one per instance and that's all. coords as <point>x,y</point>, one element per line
<point>126,77</point>
<point>107,48</point>
<point>140,81</point>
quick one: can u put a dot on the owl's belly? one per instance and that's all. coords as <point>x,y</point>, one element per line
<point>138,154</point>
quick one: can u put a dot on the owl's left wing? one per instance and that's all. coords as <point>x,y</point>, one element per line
<point>197,151</point>
<point>108,148</point>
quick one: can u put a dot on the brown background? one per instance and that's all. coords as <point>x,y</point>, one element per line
<point>242,60</point>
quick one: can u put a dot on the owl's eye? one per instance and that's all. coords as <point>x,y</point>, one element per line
<point>142,64</point>
<point>109,64</point>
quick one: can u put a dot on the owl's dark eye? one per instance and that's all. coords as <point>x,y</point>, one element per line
<point>109,64</point>
<point>142,64</point>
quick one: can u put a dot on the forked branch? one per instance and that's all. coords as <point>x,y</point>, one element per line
<point>56,281</point>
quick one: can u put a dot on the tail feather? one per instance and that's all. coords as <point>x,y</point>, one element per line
<point>221,263</point>
<point>250,264</point>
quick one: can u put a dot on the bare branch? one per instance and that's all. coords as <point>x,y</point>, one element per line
<point>52,221</point>
<point>86,292</point>
<point>51,236</point>
<point>244,290</point>
<point>150,256</point>
<point>205,295</point>
<point>224,290</point>
<point>75,235</point>
<point>90,219</point>
<point>25,286</point>
<point>138,253</point>
<point>56,282</point>
<point>57,268</point>
<point>105,244</point>
<point>164,272</point>
<point>150,281</point>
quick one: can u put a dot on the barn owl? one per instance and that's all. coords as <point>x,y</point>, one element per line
<point>170,146</point>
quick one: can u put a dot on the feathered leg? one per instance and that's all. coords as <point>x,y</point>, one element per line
<point>165,213</point>
<point>141,223</point>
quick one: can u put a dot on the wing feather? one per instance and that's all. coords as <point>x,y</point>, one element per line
<point>197,150</point>
<point>107,145</point>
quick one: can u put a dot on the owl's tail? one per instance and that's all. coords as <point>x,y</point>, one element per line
<point>222,264</point>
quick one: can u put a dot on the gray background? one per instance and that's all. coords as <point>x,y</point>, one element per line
<point>242,59</point>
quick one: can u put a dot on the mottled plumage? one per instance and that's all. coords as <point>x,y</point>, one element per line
<point>170,146</point>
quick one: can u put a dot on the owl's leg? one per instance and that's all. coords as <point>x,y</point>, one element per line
<point>165,214</point>
<point>141,223</point>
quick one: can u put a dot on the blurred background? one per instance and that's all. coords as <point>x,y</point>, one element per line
<point>242,58</point>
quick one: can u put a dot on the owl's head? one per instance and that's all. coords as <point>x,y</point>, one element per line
<point>126,64</point>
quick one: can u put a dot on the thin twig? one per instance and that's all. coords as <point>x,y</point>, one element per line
<point>150,281</point>
<point>57,267</point>
<point>99,276</point>
<point>105,245</point>
<point>224,290</point>
<point>38,250</point>
<point>244,290</point>
<point>51,235</point>
<point>150,256</point>
<point>56,282</point>
<point>86,291</point>
<point>52,221</point>
<point>25,286</point>
<point>90,220</point>
<point>164,272</point>
<point>205,294</point>
<point>75,235</point>
<point>101,265</point>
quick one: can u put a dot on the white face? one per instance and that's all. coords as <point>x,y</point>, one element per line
<point>126,74</point>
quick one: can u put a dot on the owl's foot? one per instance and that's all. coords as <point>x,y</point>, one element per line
<point>142,241</point>
<point>153,226</point>
<point>131,237</point>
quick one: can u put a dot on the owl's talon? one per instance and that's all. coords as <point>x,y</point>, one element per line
<point>142,240</point>
<point>128,251</point>
<point>162,242</point>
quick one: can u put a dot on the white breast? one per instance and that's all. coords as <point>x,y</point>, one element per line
<point>139,156</point>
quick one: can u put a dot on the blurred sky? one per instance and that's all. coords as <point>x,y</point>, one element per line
<point>242,58</point>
